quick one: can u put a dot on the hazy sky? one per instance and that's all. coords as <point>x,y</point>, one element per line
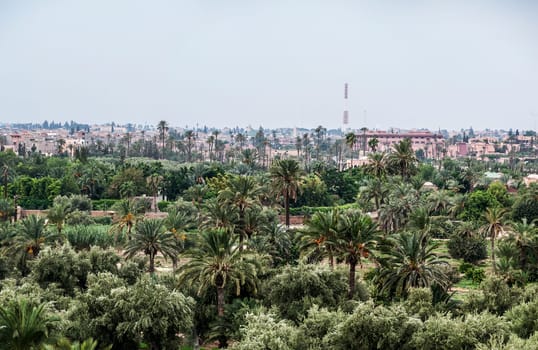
<point>430,63</point>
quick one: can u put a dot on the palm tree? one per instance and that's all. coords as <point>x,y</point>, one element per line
<point>127,212</point>
<point>493,227</point>
<point>219,262</point>
<point>319,235</point>
<point>373,189</point>
<point>32,234</point>
<point>438,202</point>
<point>23,326</point>
<point>351,141</point>
<point>163,128</point>
<point>524,237</point>
<point>408,260</point>
<point>356,237</point>
<point>377,165</point>
<point>403,160</point>
<point>189,134</point>
<point>242,192</point>
<point>154,182</point>
<point>127,189</point>
<point>218,215</point>
<point>285,174</point>
<point>373,143</point>
<point>151,238</point>
<point>57,215</point>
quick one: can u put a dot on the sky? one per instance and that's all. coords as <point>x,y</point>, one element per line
<point>409,64</point>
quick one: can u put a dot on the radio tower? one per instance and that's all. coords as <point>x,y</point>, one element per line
<point>346,113</point>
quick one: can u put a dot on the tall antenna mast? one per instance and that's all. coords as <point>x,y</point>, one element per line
<point>346,113</point>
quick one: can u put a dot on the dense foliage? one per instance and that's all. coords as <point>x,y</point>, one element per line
<point>203,249</point>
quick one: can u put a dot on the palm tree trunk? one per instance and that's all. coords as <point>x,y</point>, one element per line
<point>151,263</point>
<point>352,267</point>
<point>287,207</point>
<point>493,254</point>
<point>220,301</point>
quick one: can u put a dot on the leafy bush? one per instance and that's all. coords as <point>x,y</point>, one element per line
<point>470,248</point>
<point>523,318</point>
<point>162,205</point>
<point>103,220</point>
<point>494,296</point>
<point>103,204</point>
<point>79,218</point>
<point>445,333</point>
<point>60,266</point>
<point>266,332</point>
<point>305,210</point>
<point>475,274</point>
<point>316,326</point>
<point>83,237</point>
<point>115,313</point>
<point>374,327</point>
<point>297,288</point>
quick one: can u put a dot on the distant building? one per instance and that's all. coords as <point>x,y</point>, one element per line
<point>432,144</point>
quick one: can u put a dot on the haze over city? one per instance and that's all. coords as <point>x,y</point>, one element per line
<point>417,64</point>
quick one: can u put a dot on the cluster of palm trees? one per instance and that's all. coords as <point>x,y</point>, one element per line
<point>403,260</point>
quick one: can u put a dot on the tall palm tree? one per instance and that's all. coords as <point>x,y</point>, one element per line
<point>319,235</point>
<point>373,143</point>
<point>524,236</point>
<point>190,136</point>
<point>375,189</point>
<point>57,215</point>
<point>408,260</point>
<point>153,183</point>
<point>377,165</point>
<point>243,192</point>
<point>218,215</point>
<point>493,227</point>
<point>403,160</point>
<point>127,213</point>
<point>285,174</point>
<point>356,237</point>
<point>151,238</point>
<point>163,128</point>
<point>351,141</point>
<point>32,234</point>
<point>438,202</point>
<point>24,326</point>
<point>219,262</point>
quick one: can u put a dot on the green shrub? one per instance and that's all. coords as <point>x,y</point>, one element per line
<point>494,296</point>
<point>470,248</point>
<point>475,274</point>
<point>374,327</point>
<point>297,288</point>
<point>266,332</point>
<point>103,220</point>
<point>104,204</point>
<point>162,205</point>
<point>79,218</point>
<point>316,326</point>
<point>445,333</point>
<point>84,237</point>
<point>464,267</point>
<point>523,318</point>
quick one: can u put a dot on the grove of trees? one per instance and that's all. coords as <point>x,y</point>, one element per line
<point>205,254</point>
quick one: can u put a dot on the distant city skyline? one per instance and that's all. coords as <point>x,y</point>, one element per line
<point>413,64</point>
